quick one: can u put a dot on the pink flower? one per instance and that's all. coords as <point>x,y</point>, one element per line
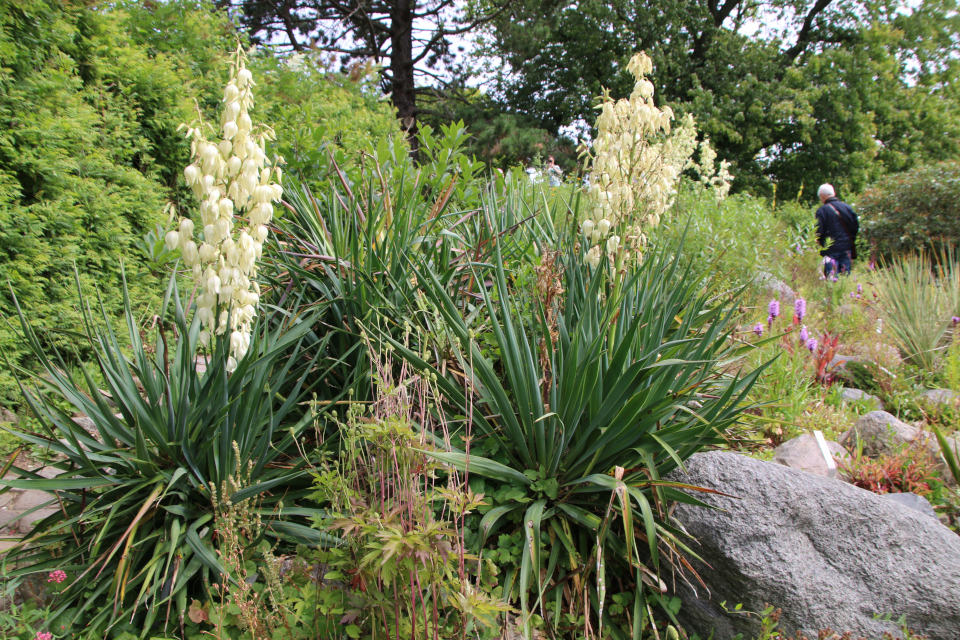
<point>57,576</point>
<point>773,309</point>
<point>43,636</point>
<point>804,335</point>
<point>758,329</point>
<point>812,345</point>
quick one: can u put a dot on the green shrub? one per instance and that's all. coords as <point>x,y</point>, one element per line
<point>912,211</point>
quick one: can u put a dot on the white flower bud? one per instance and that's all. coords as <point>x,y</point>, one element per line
<point>205,338</point>
<point>277,192</point>
<point>587,227</point>
<point>245,123</point>
<point>171,240</point>
<point>213,284</point>
<point>595,236</point>
<point>244,77</point>
<point>190,253</point>
<point>230,93</point>
<point>231,364</point>
<point>260,232</point>
<point>279,173</point>
<point>223,227</point>
<point>230,112</point>
<point>230,130</point>
<point>265,177</point>
<point>225,146</point>
<point>191,174</point>
<point>208,181</point>
<point>225,207</point>
<point>603,227</point>
<point>209,154</point>
<point>186,228</point>
<point>233,166</point>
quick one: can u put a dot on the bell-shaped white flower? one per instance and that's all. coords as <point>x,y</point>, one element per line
<point>603,227</point>
<point>587,227</point>
<point>191,174</point>
<point>613,243</point>
<point>171,240</point>
<point>186,228</point>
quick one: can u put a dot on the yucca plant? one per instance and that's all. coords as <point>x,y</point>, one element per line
<point>134,526</point>
<point>351,252</point>
<point>585,412</point>
<point>915,309</point>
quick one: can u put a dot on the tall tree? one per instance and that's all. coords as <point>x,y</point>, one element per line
<point>413,40</point>
<point>791,91</point>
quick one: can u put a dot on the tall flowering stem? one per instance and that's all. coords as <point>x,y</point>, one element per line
<point>634,165</point>
<point>237,185</point>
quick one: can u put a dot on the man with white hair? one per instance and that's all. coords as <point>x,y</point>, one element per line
<point>837,222</point>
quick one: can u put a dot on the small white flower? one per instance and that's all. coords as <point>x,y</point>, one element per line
<point>587,227</point>
<point>603,227</point>
<point>613,243</point>
<point>213,284</point>
<point>231,364</point>
<point>191,174</point>
<point>171,240</point>
<point>186,228</point>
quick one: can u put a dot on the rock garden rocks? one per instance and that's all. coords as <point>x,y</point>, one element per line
<point>939,398</point>
<point>774,285</point>
<point>803,453</point>
<point>856,395</point>
<point>825,552</point>
<point>879,432</point>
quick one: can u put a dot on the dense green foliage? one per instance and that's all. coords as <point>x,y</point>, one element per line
<point>90,102</point>
<point>835,91</point>
<point>912,211</point>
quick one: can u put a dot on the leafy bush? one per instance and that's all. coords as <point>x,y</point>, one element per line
<point>912,211</point>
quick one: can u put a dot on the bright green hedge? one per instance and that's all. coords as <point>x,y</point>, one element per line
<point>912,211</point>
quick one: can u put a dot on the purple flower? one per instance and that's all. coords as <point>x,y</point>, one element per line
<point>800,308</point>
<point>851,294</point>
<point>955,320</point>
<point>858,296</point>
<point>799,248</point>
<point>758,329</point>
<point>774,308</point>
<point>812,345</point>
<point>769,321</point>
<point>834,277</point>
<point>804,335</point>
<point>859,288</point>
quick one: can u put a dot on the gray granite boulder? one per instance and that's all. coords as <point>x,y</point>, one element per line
<point>804,453</point>
<point>825,552</point>
<point>880,433</point>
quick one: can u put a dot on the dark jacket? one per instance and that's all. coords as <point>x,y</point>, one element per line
<point>829,226</point>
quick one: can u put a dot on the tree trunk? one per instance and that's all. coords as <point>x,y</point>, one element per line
<point>401,68</point>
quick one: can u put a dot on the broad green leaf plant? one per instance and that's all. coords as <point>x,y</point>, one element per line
<point>587,409</point>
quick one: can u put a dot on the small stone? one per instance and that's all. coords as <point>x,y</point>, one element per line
<point>856,395</point>
<point>913,501</point>
<point>803,452</point>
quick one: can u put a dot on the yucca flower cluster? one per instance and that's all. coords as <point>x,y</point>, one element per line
<point>634,165</point>
<point>237,185</point>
